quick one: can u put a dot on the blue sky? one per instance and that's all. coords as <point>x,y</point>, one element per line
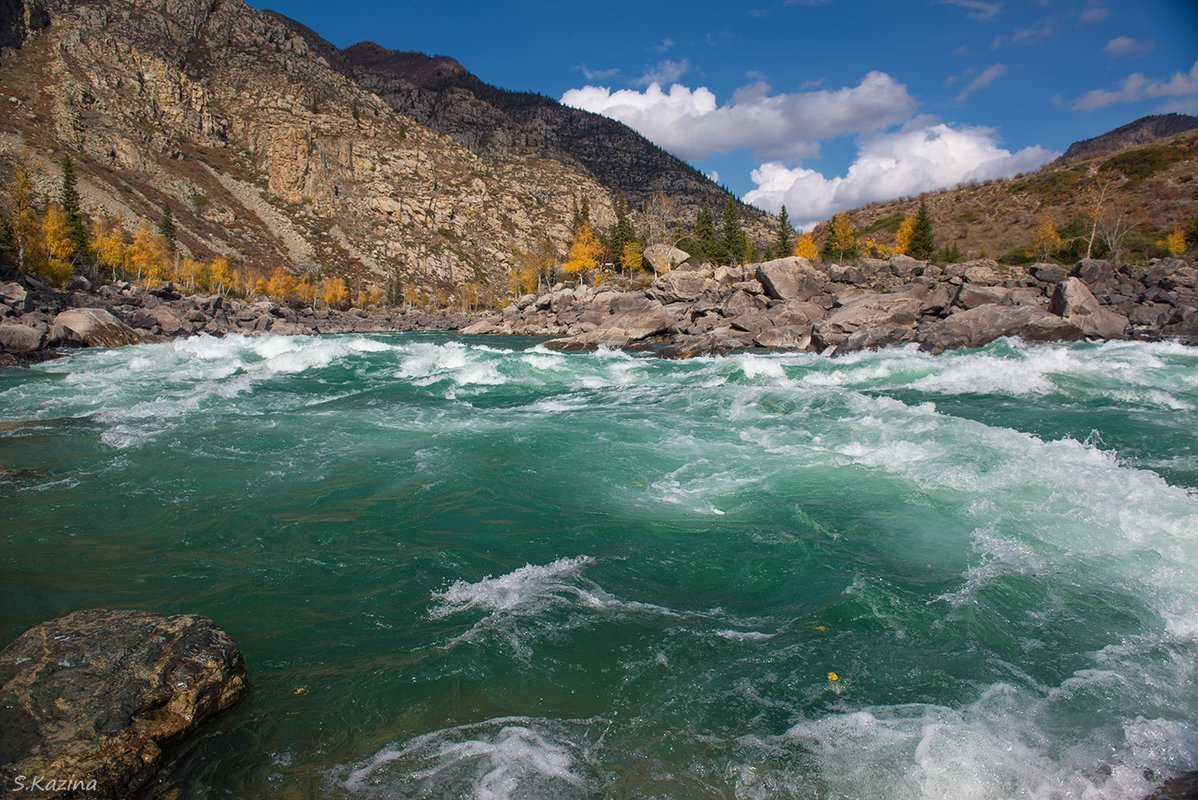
<point>821,104</point>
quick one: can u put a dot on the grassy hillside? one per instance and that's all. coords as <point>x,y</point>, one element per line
<point>1134,197</point>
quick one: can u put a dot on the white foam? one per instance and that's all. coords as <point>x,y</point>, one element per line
<point>494,760</point>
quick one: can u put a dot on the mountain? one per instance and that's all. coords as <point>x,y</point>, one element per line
<point>1150,190</point>
<point>1141,131</point>
<point>271,146</point>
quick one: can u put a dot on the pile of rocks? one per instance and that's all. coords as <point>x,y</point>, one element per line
<point>36,319</point>
<point>794,304</point>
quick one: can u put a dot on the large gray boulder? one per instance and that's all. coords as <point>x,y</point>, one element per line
<point>891,310</point>
<point>664,257</point>
<point>93,696</point>
<point>791,278</point>
<point>1073,301</point>
<point>15,297</point>
<point>90,327</point>
<point>640,324</point>
<point>785,337</point>
<point>679,286</point>
<point>17,338</point>
<point>976,327</point>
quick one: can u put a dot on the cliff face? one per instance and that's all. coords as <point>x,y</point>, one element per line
<point>271,146</point>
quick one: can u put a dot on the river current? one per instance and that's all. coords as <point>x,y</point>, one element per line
<point>471,567</point>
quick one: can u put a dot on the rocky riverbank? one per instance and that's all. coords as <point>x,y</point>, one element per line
<point>87,701</point>
<point>794,304</point>
<point>37,321</point>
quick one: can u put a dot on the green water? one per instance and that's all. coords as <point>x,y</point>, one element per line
<point>493,571</point>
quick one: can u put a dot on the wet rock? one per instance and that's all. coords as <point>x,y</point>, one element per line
<point>979,326</point>
<point>1073,301</point>
<point>94,695</point>
<point>785,337</point>
<point>90,327</point>
<point>875,337</point>
<point>641,324</point>
<point>592,340</point>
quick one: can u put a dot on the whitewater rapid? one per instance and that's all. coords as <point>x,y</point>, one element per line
<point>619,576</point>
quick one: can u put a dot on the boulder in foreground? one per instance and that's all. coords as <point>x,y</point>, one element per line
<point>90,327</point>
<point>90,698</point>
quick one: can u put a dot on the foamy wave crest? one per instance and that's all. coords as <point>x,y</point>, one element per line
<point>511,757</point>
<point>534,599</point>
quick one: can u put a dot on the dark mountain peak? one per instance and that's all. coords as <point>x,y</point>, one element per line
<point>419,69</point>
<point>1141,131</point>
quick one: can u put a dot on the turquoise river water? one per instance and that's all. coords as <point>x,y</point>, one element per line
<point>464,567</point>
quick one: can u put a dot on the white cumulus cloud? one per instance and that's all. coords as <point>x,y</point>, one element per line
<point>1137,87</point>
<point>922,157</point>
<point>691,123</point>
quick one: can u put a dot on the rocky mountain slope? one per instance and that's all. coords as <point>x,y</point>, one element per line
<point>1141,131</point>
<point>271,147</point>
<point>1151,189</point>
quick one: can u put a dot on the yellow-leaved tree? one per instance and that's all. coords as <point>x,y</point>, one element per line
<point>805,247</point>
<point>1175,243</point>
<point>24,225</point>
<point>220,275</point>
<point>1045,239</point>
<point>902,237</point>
<point>583,257</point>
<point>633,257</point>
<point>334,292</point>
<point>58,245</point>
<point>280,286</point>
<point>842,239</point>
<point>147,255</point>
<point>307,289</point>
<point>107,240</point>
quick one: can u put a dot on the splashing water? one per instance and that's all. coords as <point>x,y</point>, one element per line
<point>502,572</point>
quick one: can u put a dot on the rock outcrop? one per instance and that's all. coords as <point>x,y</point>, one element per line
<point>88,700</point>
<point>793,304</point>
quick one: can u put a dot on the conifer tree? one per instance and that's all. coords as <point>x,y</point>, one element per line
<point>581,214</point>
<point>69,202</point>
<point>733,242</point>
<point>923,240</point>
<point>622,231</point>
<point>708,244</point>
<point>166,227</point>
<point>784,244</point>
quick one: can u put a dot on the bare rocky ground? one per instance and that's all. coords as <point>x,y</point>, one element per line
<point>37,321</point>
<point>794,304</point>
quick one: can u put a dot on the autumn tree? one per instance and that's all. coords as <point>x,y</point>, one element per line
<point>1045,239</point>
<point>841,244</point>
<point>147,255</point>
<point>632,258</point>
<point>657,220</point>
<point>923,239</point>
<point>24,223</point>
<point>307,289</point>
<point>334,292</point>
<point>220,275</point>
<point>281,285</point>
<point>107,239</point>
<point>902,237</point>
<point>584,253</point>
<point>68,199</point>
<point>784,239</point>
<point>1175,243</point>
<point>734,244</point>
<point>805,247</point>
<point>59,247</point>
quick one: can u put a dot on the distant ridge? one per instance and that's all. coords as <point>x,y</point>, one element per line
<point>1141,131</point>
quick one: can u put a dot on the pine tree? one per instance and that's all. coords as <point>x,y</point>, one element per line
<point>622,231</point>
<point>923,240</point>
<point>69,201</point>
<point>166,228</point>
<point>704,236</point>
<point>581,214</point>
<point>785,241</point>
<point>733,242</point>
